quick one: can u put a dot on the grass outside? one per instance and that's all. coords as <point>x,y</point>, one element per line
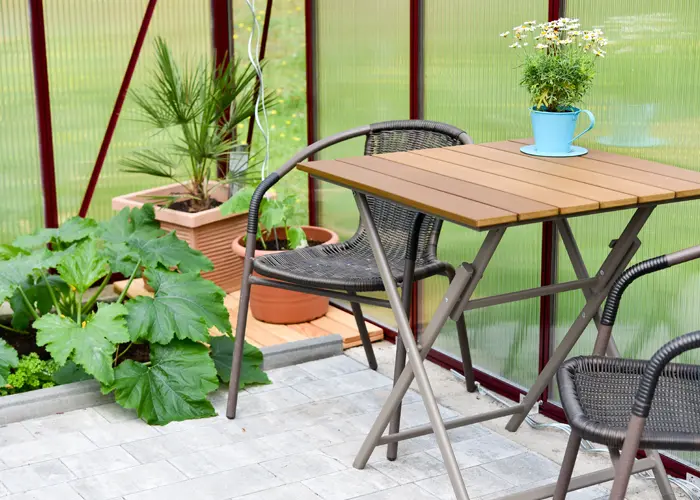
<point>645,98</point>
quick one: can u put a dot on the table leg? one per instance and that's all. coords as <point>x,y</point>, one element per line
<point>414,356</point>
<point>616,261</point>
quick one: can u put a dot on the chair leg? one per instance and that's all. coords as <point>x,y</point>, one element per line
<point>661,477</point>
<point>241,322</point>
<point>567,466</point>
<point>463,338</point>
<point>623,469</point>
<point>364,335</point>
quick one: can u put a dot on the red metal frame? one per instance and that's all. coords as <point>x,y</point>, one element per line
<point>118,104</point>
<point>222,45</point>
<point>261,57</point>
<point>43,112</point>
<point>311,131</point>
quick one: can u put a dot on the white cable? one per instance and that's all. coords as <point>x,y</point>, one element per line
<point>254,57</point>
<point>692,491</point>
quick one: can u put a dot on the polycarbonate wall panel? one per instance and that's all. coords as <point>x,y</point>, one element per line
<point>471,81</point>
<point>20,185</point>
<point>645,99</point>
<point>89,43</point>
<point>363,77</point>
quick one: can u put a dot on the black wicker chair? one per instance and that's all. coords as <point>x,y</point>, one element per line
<point>626,404</point>
<point>346,269</point>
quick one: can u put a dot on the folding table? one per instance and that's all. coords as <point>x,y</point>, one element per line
<point>492,187</point>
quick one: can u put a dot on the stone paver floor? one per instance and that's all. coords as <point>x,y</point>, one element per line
<point>293,440</point>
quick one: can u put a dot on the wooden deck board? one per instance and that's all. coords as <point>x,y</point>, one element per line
<point>265,334</point>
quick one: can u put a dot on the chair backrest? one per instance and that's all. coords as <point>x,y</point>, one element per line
<point>394,221</point>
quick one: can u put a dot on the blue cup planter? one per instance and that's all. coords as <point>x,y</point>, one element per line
<point>554,133</point>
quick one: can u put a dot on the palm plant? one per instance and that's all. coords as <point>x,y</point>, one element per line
<point>197,108</point>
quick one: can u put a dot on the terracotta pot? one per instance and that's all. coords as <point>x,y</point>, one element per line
<point>209,231</point>
<point>284,307</point>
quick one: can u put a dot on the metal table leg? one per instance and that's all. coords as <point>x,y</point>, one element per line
<point>616,261</point>
<point>414,355</point>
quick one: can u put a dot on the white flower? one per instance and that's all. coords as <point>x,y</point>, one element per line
<point>530,23</point>
<point>515,45</point>
<point>540,46</point>
<point>566,41</point>
<point>504,34</point>
<point>525,44</point>
<point>599,53</point>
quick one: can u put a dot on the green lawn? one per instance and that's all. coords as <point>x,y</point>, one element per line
<point>646,92</point>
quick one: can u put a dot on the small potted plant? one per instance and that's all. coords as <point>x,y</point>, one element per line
<point>558,71</point>
<point>195,110</point>
<point>277,234</point>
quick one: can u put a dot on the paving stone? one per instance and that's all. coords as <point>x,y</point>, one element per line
<point>311,438</point>
<point>186,425</point>
<point>591,493</point>
<point>302,466</point>
<point>276,400</point>
<point>343,384</point>
<point>478,481</point>
<point>168,446</point>
<point>296,491</point>
<point>99,461</point>
<point>524,468</point>
<point>332,367</point>
<point>481,450</point>
<point>411,468</point>
<point>114,413</point>
<point>349,483</point>
<point>404,492</point>
<point>120,433</point>
<point>370,401</point>
<point>126,481</point>
<point>57,492</point>
<point>14,433</point>
<point>72,421</point>
<point>291,375</point>
<point>47,448</point>
<point>224,458</point>
<point>35,476</point>
<point>3,491</point>
<point>219,486</point>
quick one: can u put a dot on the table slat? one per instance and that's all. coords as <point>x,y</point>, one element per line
<point>679,187</point>
<point>430,201</point>
<point>525,208</point>
<point>630,192</point>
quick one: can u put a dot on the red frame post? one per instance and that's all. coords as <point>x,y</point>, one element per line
<point>222,46</point>
<point>311,104</point>
<point>118,104</point>
<point>43,112</point>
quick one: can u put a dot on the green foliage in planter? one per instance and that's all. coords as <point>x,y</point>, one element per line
<point>47,289</point>
<point>29,373</point>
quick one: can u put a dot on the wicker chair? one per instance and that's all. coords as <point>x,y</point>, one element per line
<point>346,269</point>
<point>626,404</point>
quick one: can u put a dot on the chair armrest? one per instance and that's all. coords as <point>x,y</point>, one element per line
<point>657,363</point>
<point>412,249</point>
<point>643,268</point>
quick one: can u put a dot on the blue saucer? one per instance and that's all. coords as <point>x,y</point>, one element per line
<point>575,151</point>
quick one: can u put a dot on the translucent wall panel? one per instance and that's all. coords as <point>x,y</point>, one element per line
<point>471,81</point>
<point>285,78</point>
<point>645,98</point>
<point>363,74</point>
<point>20,187</point>
<point>89,44</point>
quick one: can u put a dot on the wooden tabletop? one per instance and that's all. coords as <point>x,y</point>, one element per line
<point>492,184</point>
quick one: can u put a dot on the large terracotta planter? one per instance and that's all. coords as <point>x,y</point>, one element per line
<point>284,307</point>
<point>209,231</point>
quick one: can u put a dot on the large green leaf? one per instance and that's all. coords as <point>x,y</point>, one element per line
<point>90,344</point>
<point>8,360</point>
<point>168,252</point>
<point>15,271</point>
<point>251,367</point>
<point>138,222</point>
<point>68,373</point>
<point>172,387</point>
<point>37,240</point>
<point>8,251</point>
<point>76,229</point>
<point>239,202</point>
<point>184,305</point>
<point>37,292</point>
<point>83,265</point>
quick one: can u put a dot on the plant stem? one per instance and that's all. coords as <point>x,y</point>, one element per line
<point>93,299</point>
<point>10,329</point>
<point>120,354</point>
<point>29,305</point>
<point>53,295</point>
<point>79,306</point>
<point>128,284</point>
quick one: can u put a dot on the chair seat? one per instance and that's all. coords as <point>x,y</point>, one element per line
<point>342,266</point>
<point>597,395</point>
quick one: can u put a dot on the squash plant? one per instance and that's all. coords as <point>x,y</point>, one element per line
<point>47,277</point>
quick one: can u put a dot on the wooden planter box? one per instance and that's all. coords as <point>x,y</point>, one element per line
<point>209,231</point>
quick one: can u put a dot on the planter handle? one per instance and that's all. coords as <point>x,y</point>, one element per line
<point>591,118</point>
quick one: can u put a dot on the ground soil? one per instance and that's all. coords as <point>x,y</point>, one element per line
<point>186,205</point>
